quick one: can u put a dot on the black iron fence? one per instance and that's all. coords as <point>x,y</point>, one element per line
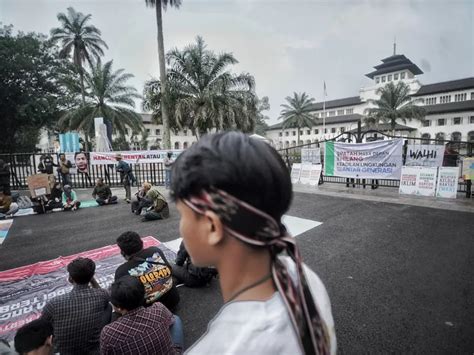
<point>460,149</point>
<point>23,165</point>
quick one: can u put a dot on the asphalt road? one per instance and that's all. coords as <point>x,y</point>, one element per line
<point>400,278</point>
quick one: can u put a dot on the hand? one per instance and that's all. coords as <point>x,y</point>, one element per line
<point>106,201</point>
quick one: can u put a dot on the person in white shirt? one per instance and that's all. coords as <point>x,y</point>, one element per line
<point>231,192</point>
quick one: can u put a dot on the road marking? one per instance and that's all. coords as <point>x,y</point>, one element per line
<point>294,225</point>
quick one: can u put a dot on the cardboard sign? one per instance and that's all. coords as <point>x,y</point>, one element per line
<point>39,185</point>
<point>447,182</point>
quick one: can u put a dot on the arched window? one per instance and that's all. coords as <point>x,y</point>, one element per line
<point>176,145</point>
<point>470,137</point>
<point>185,145</point>
<point>287,144</point>
<point>308,141</point>
<point>439,138</point>
<point>293,143</point>
<point>425,138</point>
<point>456,136</point>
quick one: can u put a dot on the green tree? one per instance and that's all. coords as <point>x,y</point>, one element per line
<point>31,94</point>
<point>107,96</point>
<point>395,103</point>
<point>297,112</point>
<point>159,5</point>
<point>260,125</point>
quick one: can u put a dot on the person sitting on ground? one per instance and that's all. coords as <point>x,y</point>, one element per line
<point>151,267</point>
<point>102,193</point>
<point>4,177</point>
<point>141,201</point>
<point>159,209</point>
<point>54,200</point>
<point>79,316</point>
<point>187,273</point>
<point>139,330</point>
<point>35,337</point>
<point>69,199</point>
<point>231,192</point>
<point>7,207</point>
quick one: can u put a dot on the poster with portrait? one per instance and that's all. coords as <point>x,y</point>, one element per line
<point>81,161</point>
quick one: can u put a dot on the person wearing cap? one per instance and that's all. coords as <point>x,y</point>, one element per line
<point>69,199</point>
<point>125,170</point>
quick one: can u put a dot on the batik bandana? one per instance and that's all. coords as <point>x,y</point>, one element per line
<point>255,227</point>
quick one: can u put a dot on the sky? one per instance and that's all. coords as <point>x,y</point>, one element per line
<point>288,46</point>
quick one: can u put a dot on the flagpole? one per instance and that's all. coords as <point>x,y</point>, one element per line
<point>324,111</point>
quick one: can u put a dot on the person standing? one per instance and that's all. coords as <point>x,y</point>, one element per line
<point>64,170</point>
<point>69,199</point>
<point>46,164</point>
<point>139,330</point>
<point>79,316</point>
<point>168,165</point>
<point>102,193</point>
<point>4,177</point>
<point>125,174</point>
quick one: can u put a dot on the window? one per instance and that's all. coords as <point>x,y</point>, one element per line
<point>441,121</point>
<point>377,80</point>
<point>445,99</point>
<point>176,145</point>
<point>425,138</point>
<point>426,123</point>
<point>333,130</point>
<point>456,136</point>
<point>470,137</point>
<point>343,129</point>
<point>460,97</point>
<point>157,132</point>
<point>349,111</point>
<point>293,143</point>
<point>325,130</point>
<point>185,145</point>
<point>287,144</point>
<point>301,132</point>
<point>340,112</point>
<point>308,132</point>
<point>402,75</point>
<point>471,119</point>
<point>308,141</point>
<point>395,76</point>
<point>185,132</point>
<point>389,77</point>
<point>317,114</point>
<point>431,101</point>
<point>148,130</point>
<point>280,134</point>
<point>472,95</point>
<point>439,138</point>
<point>287,133</point>
<point>332,113</point>
<point>316,131</point>
<point>294,133</point>
<point>457,120</point>
<point>383,79</point>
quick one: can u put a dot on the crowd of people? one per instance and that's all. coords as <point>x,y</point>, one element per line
<point>230,222</point>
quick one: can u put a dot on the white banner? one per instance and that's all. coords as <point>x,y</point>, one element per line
<point>295,173</point>
<point>311,155</point>
<point>424,155</point>
<point>447,182</point>
<point>315,174</point>
<point>132,157</point>
<point>374,160</point>
<point>417,180</point>
<point>305,173</point>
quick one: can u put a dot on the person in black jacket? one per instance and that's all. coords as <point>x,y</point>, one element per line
<point>191,276</point>
<point>46,164</point>
<point>5,178</point>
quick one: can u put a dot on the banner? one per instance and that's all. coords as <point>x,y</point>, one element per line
<point>24,291</point>
<point>373,160</point>
<point>417,180</point>
<point>69,142</point>
<point>468,168</point>
<point>447,182</point>
<point>424,155</point>
<point>295,173</point>
<point>315,174</point>
<point>311,155</point>
<point>305,173</point>
<point>132,157</point>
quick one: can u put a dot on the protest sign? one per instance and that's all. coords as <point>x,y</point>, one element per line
<point>132,157</point>
<point>417,180</point>
<point>468,168</point>
<point>305,173</point>
<point>447,182</point>
<point>374,160</point>
<point>311,155</point>
<point>295,173</point>
<point>424,155</point>
<point>39,185</point>
<point>315,174</point>
<point>408,180</point>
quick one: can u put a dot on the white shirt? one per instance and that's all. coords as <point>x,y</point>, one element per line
<point>262,327</point>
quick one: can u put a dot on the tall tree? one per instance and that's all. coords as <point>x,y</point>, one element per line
<point>395,103</point>
<point>260,125</point>
<point>297,112</point>
<point>159,5</point>
<point>80,40</point>
<point>109,97</point>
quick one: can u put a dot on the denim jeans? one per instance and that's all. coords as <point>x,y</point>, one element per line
<point>176,331</point>
<point>167,178</point>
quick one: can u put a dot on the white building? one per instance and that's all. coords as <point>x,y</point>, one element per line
<point>449,108</point>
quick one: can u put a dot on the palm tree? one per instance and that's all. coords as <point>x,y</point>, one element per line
<point>159,5</point>
<point>203,94</point>
<point>297,113</point>
<point>80,39</point>
<point>395,103</point>
<point>109,97</point>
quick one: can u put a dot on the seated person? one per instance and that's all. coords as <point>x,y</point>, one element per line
<point>102,193</point>
<point>7,207</point>
<point>55,198</point>
<point>150,266</point>
<point>187,273</point>
<point>159,209</point>
<point>140,330</point>
<point>69,199</point>
<point>35,337</point>
<point>141,201</point>
<point>79,316</point>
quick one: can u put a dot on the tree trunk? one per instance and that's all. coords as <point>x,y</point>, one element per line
<point>298,137</point>
<point>163,79</point>
<point>83,93</point>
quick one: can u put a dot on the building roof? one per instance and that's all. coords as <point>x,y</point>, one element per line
<point>329,120</point>
<point>394,63</point>
<point>146,117</point>
<point>347,101</point>
<point>450,107</point>
<point>384,127</point>
<point>445,86</point>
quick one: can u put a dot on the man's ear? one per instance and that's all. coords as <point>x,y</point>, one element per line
<point>216,229</point>
<point>49,341</point>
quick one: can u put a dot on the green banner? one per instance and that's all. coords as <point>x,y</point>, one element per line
<point>329,159</point>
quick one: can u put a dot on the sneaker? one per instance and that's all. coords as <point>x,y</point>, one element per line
<point>127,200</point>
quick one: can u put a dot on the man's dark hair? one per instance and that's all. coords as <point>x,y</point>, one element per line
<point>128,293</point>
<point>32,335</point>
<point>130,243</point>
<point>246,168</point>
<point>100,179</point>
<point>81,270</point>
